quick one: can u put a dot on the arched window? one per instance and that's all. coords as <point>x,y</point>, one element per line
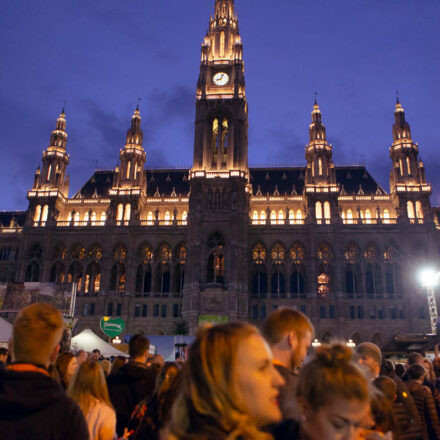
<point>103,217</point>
<point>320,166</point>
<point>299,214</point>
<point>57,273</point>
<point>179,270</point>
<point>255,218</point>
<point>263,217</point>
<point>410,209</point>
<point>216,259</point>
<point>93,278</point>
<point>184,216</point>
<point>167,218</point>
<point>127,213</point>
<point>273,217</point>
<point>163,278</point>
<point>220,132</point>
<point>150,218</point>
<point>143,278</point>
<point>408,165</point>
<point>120,253</point>
<point>76,219</point>
<point>277,283</point>
<point>352,280</point>
<point>117,277</point>
<point>419,210</point>
<point>120,212</point>
<point>281,215</point>
<point>349,216</point>
<point>86,217</point>
<point>32,273</point>
<point>297,253</point>
<point>297,280</point>
<point>259,254</point>
<point>44,214</point>
<point>325,253</point>
<point>75,275</point>
<point>393,284</point>
<point>127,176</point>
<point>35,252</point>
<point>327,211</point>
<point>318,211</point>
<point>259,280</point>
<point>367,216</point>
<point>277,253</point>
<point>37,215</point>
<point>386,216</point>
<point>164,254</point>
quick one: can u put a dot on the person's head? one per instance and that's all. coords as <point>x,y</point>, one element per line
<point>333,394</point>
<point>289,334</point>
<point>81,356</point>
<point>106,366</point>
<point>379,418</point>
<point>3,354</point>
<point>118,362</point>
<point>416,372</point>
<point>229,384</point>
<point>387,369</point>
<point>158,359</point>
<point>387,386</point>
<point>369,356</point>
<point>415,359</point>
<point>88,383</point>
<point>66,365</point>
<point>400,370</point>
<point>96,354</point>
<point>36,334</point>
<point>429,369</point>
<point>138,347</point>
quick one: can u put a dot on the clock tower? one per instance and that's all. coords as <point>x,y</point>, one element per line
<point>216,285</point>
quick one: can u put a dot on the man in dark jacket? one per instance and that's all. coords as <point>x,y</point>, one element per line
<point>132,383</point>
<point>289,334</point>
<point>32,404</point>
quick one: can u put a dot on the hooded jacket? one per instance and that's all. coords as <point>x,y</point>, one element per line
<point>132,383</point>
<point>33,405</point>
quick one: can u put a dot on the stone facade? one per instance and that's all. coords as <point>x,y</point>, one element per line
<point>221,240</point>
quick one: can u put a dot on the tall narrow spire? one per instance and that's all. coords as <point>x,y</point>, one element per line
<point>135,134</point>
<point>316,128</point>
<point>401,128</point>
<point>58,137</point>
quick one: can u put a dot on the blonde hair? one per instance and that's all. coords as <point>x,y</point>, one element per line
<point>88,385</point>
<point>285,320</point>
<point>62,364</point>
<point>332,373</point>
<point>208,405</point>
<point>37,331</point>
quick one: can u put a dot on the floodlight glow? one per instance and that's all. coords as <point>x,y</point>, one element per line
<point>429,277</point>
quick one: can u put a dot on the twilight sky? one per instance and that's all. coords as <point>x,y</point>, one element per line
<point>101,55</point>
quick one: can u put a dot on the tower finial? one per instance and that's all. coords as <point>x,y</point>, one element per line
<point>139,101</point>
<point>63,112</point>
<point>397,97</point>
<point>316,98</point>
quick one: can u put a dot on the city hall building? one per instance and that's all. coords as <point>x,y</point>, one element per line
<point>222,241</point>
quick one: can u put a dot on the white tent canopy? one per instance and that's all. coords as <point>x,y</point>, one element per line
<point>5,332</point>
<point>88,341</point>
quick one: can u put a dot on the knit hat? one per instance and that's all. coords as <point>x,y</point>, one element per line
<point>371,350</point>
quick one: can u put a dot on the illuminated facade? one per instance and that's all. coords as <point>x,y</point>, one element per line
<point>162,247</point>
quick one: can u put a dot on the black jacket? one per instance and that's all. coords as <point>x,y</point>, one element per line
<point>34,406</point>
<point>287,397</point>
<point>132,383</point>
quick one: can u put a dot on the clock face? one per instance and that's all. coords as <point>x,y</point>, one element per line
<point>221,78</point>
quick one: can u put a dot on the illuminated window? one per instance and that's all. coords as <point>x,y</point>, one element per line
<point>165,253</point>
<point>37,214</point>
<point>367,216</point>
<point>44,213</point>
<point>325,253</point>
<point>410,209</point>
<point>255,217</point>
<point>408,165</point>
<point>299,214</point>
<point>318,210</point>
<point>103,217</point>
<point>127,213</point>
<point>127,176</point>
<point>120,212</point>
<point>277,253</point>
<point>351,252</point>
<point>327,212</point>
<point>86,217</point>
<point>401,167</point>
<point>349,216</point>
<point>259,253</point>
<point>273,216</point>
<point>323,285</point>
<point>184,216</point>
<point>320,166</point>
<point>150,218</point>
<point>93,218</point>
<point>386,216</point>
<point>77,252</point>
<point>370,253</point>
<point>280,214</point>
<point>120,253</point>
<point>76,219</point>
<point>167,218</point>
<point>419,209</point>
<point>297,253</point>
<point>263,216</point>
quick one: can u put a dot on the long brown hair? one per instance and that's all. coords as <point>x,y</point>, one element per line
<point>89,385</point>
<point>209,405</point>
<point>62,365</point>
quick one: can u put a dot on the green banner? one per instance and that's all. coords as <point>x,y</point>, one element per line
<point>112,326</point>
<point>213,319</point>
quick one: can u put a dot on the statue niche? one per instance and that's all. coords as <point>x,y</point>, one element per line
<point>220,140</point>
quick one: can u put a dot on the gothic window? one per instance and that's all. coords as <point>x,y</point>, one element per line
<point>393,285</point>
<point>297,281</point>
<point>103,217</point>
<point>323,285</point>
<point>327,211</point>
<point>370,253</point>
<point>408,165</point>
<point>120,253</point>
<point>273,217</point>
<point>297,253</point>
<point>117,277</point>
<point>37,215</point>
<point>44,214</point>
<point>320,166</point>
<point>318,210</point>
<point>35,252</point>
<point>349,216</point>
<point>167,218</point>
<point>386,216</point>
<point>32,273</point>
<point>351,252</point>
<point>263,217</point>
<point>163,278</point>
<point>93,278</point>
<point>75,274</point>
<point>120,212</point>
<point>59,252</point>
<point>410,209</point>
<point>277,253</point>
<point>216,259</point>
<point>373,279</point>
<point>164,253</point>
<point>143,278</point>
<point>367,216</point>
<point>95,252</point>
<point>57,273</point>
<point>127,214</point>
<point>184,216</point>
<point>259,280</point>
<point>352,280</point>
<point>77,252</point>
<point>325,253</point>
<point>147,254</point>
<point>259,254</point>
<point>419,209</point>
<point>220,132</point>
<point>179,276</point>
<point>277,283</point>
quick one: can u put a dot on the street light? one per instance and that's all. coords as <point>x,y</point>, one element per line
<point>350,344</point>
<point>429,279</point>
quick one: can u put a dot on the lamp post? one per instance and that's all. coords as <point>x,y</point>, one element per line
<point>351,344</point>
<point>316,343</point>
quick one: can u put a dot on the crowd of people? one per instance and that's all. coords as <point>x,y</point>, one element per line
<point>238,383</point>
